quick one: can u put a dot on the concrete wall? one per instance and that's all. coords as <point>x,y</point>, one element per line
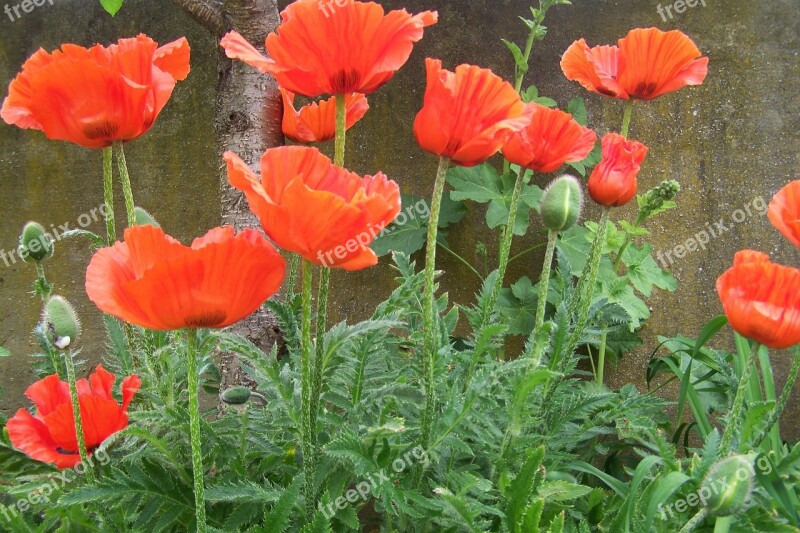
<point>728,142</point>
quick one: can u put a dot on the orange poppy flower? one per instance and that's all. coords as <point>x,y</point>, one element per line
<point>97,96</point>
<point>50,436</point>
<point>762,299</point>
<point>647,64</point>
<point>613,181</point>
<point>467,115</point>
<point>784,211</point>
<point>334,48</point>
<point>316,122</point>
<point>153,281</point>
<point>552,139</point>
<point>309,206</point>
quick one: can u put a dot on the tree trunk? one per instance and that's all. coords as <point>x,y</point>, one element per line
<point>248,121</point>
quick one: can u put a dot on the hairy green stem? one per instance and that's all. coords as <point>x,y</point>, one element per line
<point>108,194</point>
<point>695,521</point>
<point>76,413</point>
<point>723,524</point>
<point>430,335</point>
<point>341,115</point>
<point>738,402</point>
<point>307,431</point>
<point>322,311</point>
<point>544,281</point>
<point>601,357</point>
<point>194,429</point>
<point>461,260</point>
<point>125,178</point>
<point>294,262</point>
<point>626,119</point>
<point>775,414</point>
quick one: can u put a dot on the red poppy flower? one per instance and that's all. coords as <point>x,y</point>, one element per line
<point>552,139</point>
<point>50,436</point>
<point>467,115</point>
<point>784,211</point>
<point>97,96</point>
<point>316,122</point>
<point>334,48</point>
<point>153,281</point>
<point>613,181</point>
<point>309,206</point>
<point>762,299</point>
<point>647,64</point>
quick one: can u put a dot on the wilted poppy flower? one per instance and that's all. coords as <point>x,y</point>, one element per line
<point>316,122</point>
<point>613,181</point>
<point>762,299</point>
<point>349,47</point>
<point>467,115</point>
<point>309,206</point>
<point>647,64</point>
<point>552,139</point>
<point>50,436</point>
<point>93,97</point>
<point>784,211</point>
<point>153,281</point>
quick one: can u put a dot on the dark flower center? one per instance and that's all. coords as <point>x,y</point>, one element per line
<point>208,319</point>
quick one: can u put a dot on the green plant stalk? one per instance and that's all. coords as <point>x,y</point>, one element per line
<point>294,262</point>
<point>322,311</point>
<point>519,76</point>
<point>341,129</point>
<point>775,414</point>
<point>41,279</point>
<point>108,194</point>
<point>76,412</point>
<point>768,378</point>
<point>461,260</point>
<point>428,311</point>
<point>584,301</point>
<point>125,178</point>
<point>544,282</point>
<point>695,521</point>
<point>505,248</point>
<point>194,430</point>
<point>723,524</point>
<point>307,431</point>
<point>626,118</point>
<point>601,357</point>
<point>738,402</point>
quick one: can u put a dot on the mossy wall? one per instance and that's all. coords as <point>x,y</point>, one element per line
<point>728,142</point>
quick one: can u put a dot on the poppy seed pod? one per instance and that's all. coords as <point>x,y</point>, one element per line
<point>60,318</point>
<point>561,203</point>
<point>35,243</point>
<point>236,395</point>
<point>730,483</point>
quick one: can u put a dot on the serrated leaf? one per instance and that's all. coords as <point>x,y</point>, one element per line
<point>577,108</point>
<point>519,59</point>
<point>644,273</point>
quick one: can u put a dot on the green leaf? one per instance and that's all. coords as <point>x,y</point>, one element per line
<point>112,6</point>
<point>480,183</point>
<point>517,306</point>
<point>4,352</point>
<point>577,108</point>
<point>519,59</point>
<point>644,273</point>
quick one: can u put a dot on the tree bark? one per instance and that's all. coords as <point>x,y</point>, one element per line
<point>248,121</point>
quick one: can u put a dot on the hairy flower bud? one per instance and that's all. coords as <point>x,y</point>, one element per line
<point>653,200</point>
<point>561,203</point>
<point>728,485</point>
<point>236,395</point>
<point>143,218</point>
<point>62,321</point>
<point>35,243</point>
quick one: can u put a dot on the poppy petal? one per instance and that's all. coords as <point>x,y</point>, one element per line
<point>784,211</point>
<point>30,435</point>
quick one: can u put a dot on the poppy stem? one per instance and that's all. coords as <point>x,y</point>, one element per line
<point>307,431</point>
<point>126,184</point>
<point>626,119</point>
<point>294,262</point>
<point>318,369</point>
<point>544,282</point>
<point>341,129</point>
<point>76,413</point>
<point>784,399</point>
<point>194,429</point>
<point>108,195</point>
<point>738,402</point>
<point>430,331</point>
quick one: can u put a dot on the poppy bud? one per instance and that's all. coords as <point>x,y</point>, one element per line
<point>561,203</point>
<point>728,485</point>
<point>613,181</point>
<point>143,218</point>
<point>62,320</point>
<point>236,395</point>
<point>35,243</point>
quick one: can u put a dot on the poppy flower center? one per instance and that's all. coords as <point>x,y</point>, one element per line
<point>208,319</point>
<point>644,89</point>
<point>345,81</point>
<point>101,130</point>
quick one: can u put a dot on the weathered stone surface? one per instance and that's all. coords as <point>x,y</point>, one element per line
<point>729,142</point>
